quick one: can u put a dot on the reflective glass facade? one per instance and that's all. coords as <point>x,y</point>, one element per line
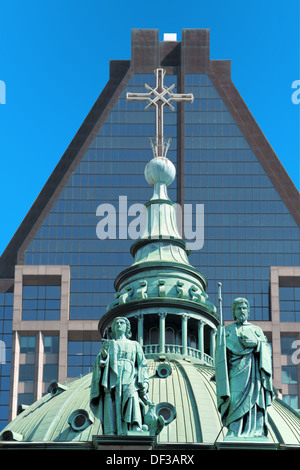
<point>288,344</point>
<point>41,303</point>
<point>289,298</point>
<point>81,356</point>
<point>247,225</point>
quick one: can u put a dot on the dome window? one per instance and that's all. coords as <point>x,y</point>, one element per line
<point>22,408</point>
<point>167,411</point>
<point>80,420</point>
<point>164,370</point>
<point>55,389</point>
<point>12,436</point>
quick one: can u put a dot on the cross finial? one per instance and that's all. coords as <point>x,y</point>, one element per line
<point>159,97</point>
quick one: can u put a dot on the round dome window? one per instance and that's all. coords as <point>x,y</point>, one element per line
<point>164,370</point>
<point>167,411</point>
<point>79,420</point>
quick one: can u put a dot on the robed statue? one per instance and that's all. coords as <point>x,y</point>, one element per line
<point>243,376</point>
<point>120,384</point>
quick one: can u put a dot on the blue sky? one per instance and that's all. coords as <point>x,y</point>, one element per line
<point>54,61</point>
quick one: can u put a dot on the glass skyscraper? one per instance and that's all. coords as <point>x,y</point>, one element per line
<point>57,274</point>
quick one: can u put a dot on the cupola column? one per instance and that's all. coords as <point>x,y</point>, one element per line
<point>213,342</point>
<point>140,331</point>
<point>162,331</point>
<point>201,324</point>
<point>184,329</point>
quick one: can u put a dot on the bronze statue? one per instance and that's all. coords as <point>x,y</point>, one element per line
<point>120,384</point>
<point>243,375</point>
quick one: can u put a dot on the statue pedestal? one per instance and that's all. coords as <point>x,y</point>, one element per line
<point>245,439</point>
<point>247,444</point>
<point>133,441</point>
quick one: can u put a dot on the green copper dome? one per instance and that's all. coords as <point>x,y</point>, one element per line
<point>185,395</point>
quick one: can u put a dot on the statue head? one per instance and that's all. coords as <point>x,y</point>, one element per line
<point>239,301</point>
<point>128,327</point>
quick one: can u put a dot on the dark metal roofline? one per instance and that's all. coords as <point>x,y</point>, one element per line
<point>192,55</point>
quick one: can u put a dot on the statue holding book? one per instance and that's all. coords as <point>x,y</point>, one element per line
<point>243,376</point>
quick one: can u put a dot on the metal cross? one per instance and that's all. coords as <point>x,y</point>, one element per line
<point>159,97</point>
